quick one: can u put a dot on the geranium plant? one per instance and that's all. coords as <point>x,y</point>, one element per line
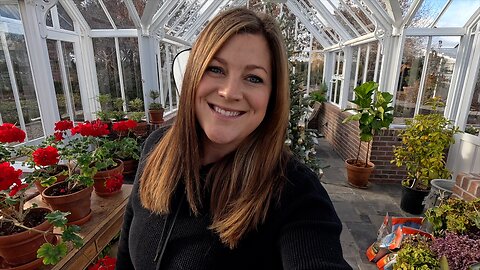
<point>105,263</point>
<point>14,217</point>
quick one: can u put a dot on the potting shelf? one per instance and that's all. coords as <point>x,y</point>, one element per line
<point>104,225</point>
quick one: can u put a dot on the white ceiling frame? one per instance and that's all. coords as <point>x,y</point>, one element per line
<point>214,5</point>
<point>350,25</point>
<point>411,12</point>
<point>377,9</point>
<point>132,11</point>
<point>371,17</point>
<point>109,17</point>
<point>179,19</point>
<point>162,19</point>
<point>435,21</point>
<point>311,14</point>
<point>332,21</point>
<point>355,17</point>
<point>148,12</point>
<point>474,19</point>
<point>187,22</point>
<point>370,37</point>
<point>107,33</point>
<point>176,41</point>
<point>395,12</point>
<point>76,15</point>
<point>312,29</point>
<point>444,31</point>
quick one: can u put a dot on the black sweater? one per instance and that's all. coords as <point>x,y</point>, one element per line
<point>301,232</point>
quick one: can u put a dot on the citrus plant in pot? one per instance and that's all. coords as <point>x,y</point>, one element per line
<point>26,232</point>
<point>373,113</point>
<point>155,109</point>
<point>422,151</point>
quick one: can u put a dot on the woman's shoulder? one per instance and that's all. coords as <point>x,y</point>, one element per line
<point>301,178</point>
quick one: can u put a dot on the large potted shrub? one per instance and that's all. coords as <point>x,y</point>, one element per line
<point>26,232</point>
<point>422,151</point>
<point>373,112</point>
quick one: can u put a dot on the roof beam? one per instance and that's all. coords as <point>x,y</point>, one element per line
<point>132,11</point>
<point>318,36</point>
<point>379,13</point>
<point>444,31</point>
<point>325,13</point>
<point>352,28</point>
<point>203,17</point>
<point>148,13</point>
<point>412,11</point>
<point>160,19</point>
<point>395,12</point>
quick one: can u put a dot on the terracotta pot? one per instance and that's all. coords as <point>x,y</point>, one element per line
<point>78,203</point>
<point>101,176</point>
<point>130,166</point>
<point>358,175</point>
<point>156,116</point>
<point>141,129</point>
<point>60,178</point>
<point>21,248</point>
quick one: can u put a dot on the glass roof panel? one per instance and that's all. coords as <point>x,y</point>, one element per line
<point>93,14</point>
<point>428,12</point>
<point>9,11</point>
<point>139,6</point>
<point>49,21</point>
<point>119,13</point>
<point>458,13</point>
<point>184,22</point>
<point>65,21</point>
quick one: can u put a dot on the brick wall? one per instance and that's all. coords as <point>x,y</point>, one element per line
<point>467,186</point>
<point>344,139</point>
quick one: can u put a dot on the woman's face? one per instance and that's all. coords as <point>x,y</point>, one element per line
<point>232,96</point>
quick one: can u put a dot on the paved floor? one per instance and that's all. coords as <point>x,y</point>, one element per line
<point>361,210</point>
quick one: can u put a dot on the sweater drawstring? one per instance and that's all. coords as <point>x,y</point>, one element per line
<point>163,244</point>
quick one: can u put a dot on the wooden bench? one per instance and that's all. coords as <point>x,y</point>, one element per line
<point>105,224</point>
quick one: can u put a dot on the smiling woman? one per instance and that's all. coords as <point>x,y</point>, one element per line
<point>220,183</point>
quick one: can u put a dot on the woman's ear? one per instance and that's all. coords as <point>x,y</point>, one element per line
<point>179,66</point>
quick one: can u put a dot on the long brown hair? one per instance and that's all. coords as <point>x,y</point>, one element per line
<point>244,183</point>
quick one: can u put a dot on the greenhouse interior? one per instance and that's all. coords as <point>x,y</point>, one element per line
<point>77,61</point>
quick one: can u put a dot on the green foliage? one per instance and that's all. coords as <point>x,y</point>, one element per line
<point>52,254</point>
<point>110,108</point>
<point>136,116</point>
<point>126,148</point>
<point>424,143</point>
<point>415,254</point>
<point>319,96</point>
<point>155,105</point>
<point>373,112</point>
<point>135,105</point>
<point>455,215</point>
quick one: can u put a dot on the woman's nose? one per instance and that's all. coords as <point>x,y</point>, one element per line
<point>231,89</point>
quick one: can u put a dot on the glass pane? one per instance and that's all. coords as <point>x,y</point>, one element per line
<point>140,6</point>
<point>132,77</point>
<point>428,12</point>
<point>372,57</point>
<point>8,109</point>
<point>361,66</point>
<point>26,89</point>
<point>353,74</point>
<point>57,79</point>
<point>440,66</point>
<point>119,13</point>
<point>93,14</point>
<point>458,13</point>
<point>473,120</point>
<point>49,21</point>
<point>107,68</point>
<point>10,11</point>
<point>409,78</point>
<point>316,72</point>
<point>65,20</point>
<point>72,77</point>
<point>172,81</point>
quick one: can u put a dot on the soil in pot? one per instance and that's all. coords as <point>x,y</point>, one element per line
<point>20,246</point>
<point>58,173</point>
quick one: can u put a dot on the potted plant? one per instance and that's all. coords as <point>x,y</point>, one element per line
<point>137,114</point>
<point>416,254</point>
<point>373,113</point>
<point>155,109</point>
<point>422,151</point>
<point>110,108</point>
<point>126,148</point>
<point>27,232</point>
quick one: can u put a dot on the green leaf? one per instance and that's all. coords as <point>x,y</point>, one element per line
<point>57,218</point>
<point>70,234</point>
<point>52,254</point>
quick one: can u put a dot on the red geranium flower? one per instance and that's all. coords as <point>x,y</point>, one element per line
<point>16,188</point>
<point>9,176</point>
<point>114,183</point>
<point>63,125</point>
<point>58,136</point>
<point>124,125</point>
<point>95,128</point>
<point>106,263</point>
<point>10,133</point>
<point>46,156</point>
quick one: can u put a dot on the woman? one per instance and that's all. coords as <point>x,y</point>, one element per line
<point>219,190</point>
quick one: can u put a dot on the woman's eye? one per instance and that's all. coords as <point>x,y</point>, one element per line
<point>254,79</point>
<point>215,69</point>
